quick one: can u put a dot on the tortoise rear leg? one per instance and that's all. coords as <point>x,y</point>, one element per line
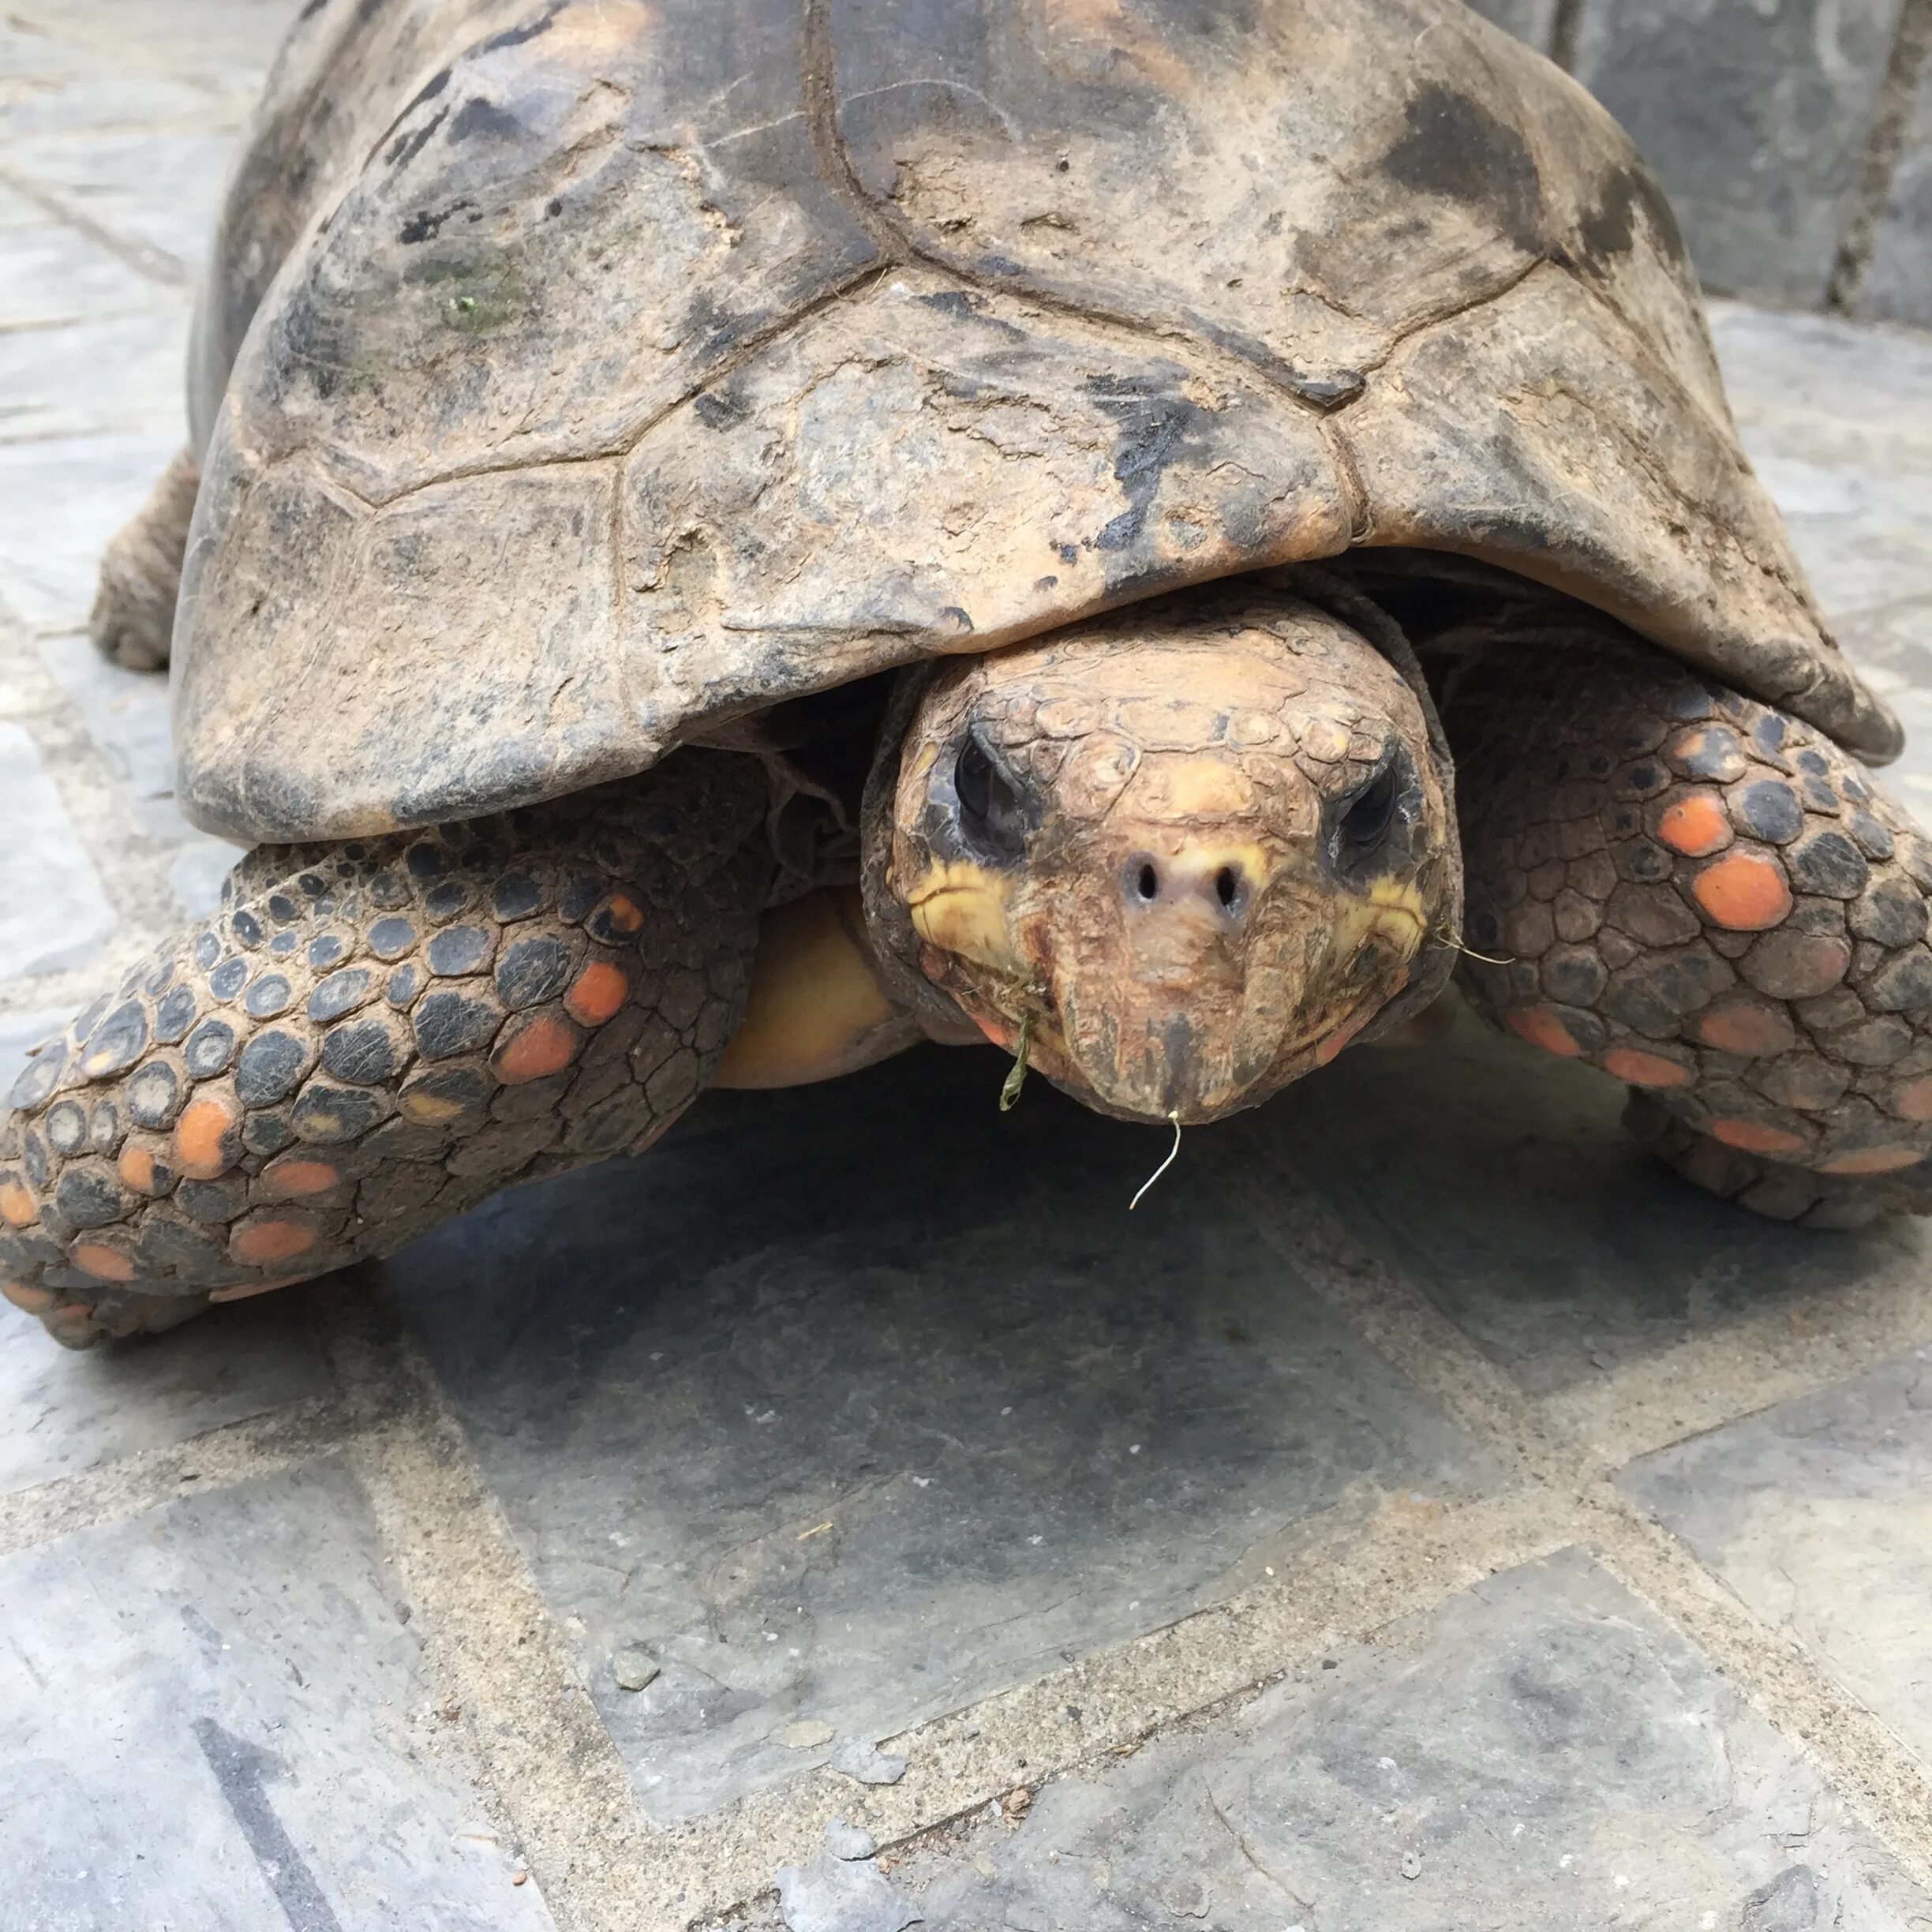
<point>369,1037</point>
<point>1707,899</point>
<point>132,620</point>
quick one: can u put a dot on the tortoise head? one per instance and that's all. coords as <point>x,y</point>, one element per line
<point>1193,848</point>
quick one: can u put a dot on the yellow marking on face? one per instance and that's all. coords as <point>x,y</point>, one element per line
<point>1194,862</point>
<point>1393,910</point>
<point>961,907</point>
<point>1200,788</point>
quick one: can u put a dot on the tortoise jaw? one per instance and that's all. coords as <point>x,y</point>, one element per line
<point>1158,975</point>
<point>1174,1019</point>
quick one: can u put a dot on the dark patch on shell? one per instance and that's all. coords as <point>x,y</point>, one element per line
<point>425,225</point>
<point>1607,228</point>
<point>406,147</point>
<point>1155,425</point>
<point>1453,147</point>
<point>527,31</point>
<point>478,115</point>
<point>964,306</point>
<point>1327,392</point>
<point>718,411</point>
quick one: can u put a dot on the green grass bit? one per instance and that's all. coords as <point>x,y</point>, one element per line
<point>1015,1074</point>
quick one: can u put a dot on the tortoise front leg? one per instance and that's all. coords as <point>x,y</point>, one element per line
<point>1708,900</point>
<point>371,1036</point>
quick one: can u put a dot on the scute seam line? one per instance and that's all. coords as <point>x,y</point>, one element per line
<point>819,82</point>
<point>618,448</point>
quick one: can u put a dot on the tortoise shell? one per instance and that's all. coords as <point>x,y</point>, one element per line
<point>572,381</point>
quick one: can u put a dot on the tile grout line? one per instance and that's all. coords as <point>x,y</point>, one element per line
<point>548,1765</point>
<point>48,325</point>
<point>492,1641</point>
<point>136,56</point>
<point>218,1458</point>
<point>83,431</point>
<point>564,1793</point>
<point>1863,1759</point>
<point>1126,1693</point>
<point>156,263</point>
<point>1636,1410</point>
<point>131,863</point>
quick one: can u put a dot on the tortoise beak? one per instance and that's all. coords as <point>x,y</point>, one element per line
<point>1169,988</point>
<point>1179,996</point>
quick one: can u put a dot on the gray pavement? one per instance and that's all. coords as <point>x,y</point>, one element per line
<point>1423,1513</point>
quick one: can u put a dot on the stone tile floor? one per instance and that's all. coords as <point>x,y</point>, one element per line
<point>1421,1513</point>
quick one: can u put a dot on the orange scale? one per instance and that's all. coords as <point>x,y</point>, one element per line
<point>1872,1161</point>
<point>1744,891</point>
<point>257,1242</point>
<point>1913,1101</point>
<point>18,1208</point>
<point>620,912</point>
<point>201,1150</point>
<point>1751,1031</point>
<point>104,1263</point>
<point>1696,825</point>
<point>1755,1137</point>
<point>598,993</point>
<point>1541,1026</point>
<point>295,1176</point>
<point>1644,1069</point>
<point>542,1045</point>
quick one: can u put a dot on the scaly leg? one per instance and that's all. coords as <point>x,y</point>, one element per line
<point>132,620</point>
<point>371,1036</point>
<point>1709,900</point>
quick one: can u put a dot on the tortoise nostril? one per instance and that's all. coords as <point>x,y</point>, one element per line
<point>1227,887</point>
<point>1147,883</point>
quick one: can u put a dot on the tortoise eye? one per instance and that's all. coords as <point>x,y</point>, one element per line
<point>1365,822</point>
<point>992,812</point>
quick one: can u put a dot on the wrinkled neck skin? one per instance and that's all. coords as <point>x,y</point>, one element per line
<point>1190,850</point>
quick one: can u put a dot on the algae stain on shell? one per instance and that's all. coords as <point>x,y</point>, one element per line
<point>473,293</point>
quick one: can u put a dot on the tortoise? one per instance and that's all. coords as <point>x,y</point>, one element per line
<point>729,537</point>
